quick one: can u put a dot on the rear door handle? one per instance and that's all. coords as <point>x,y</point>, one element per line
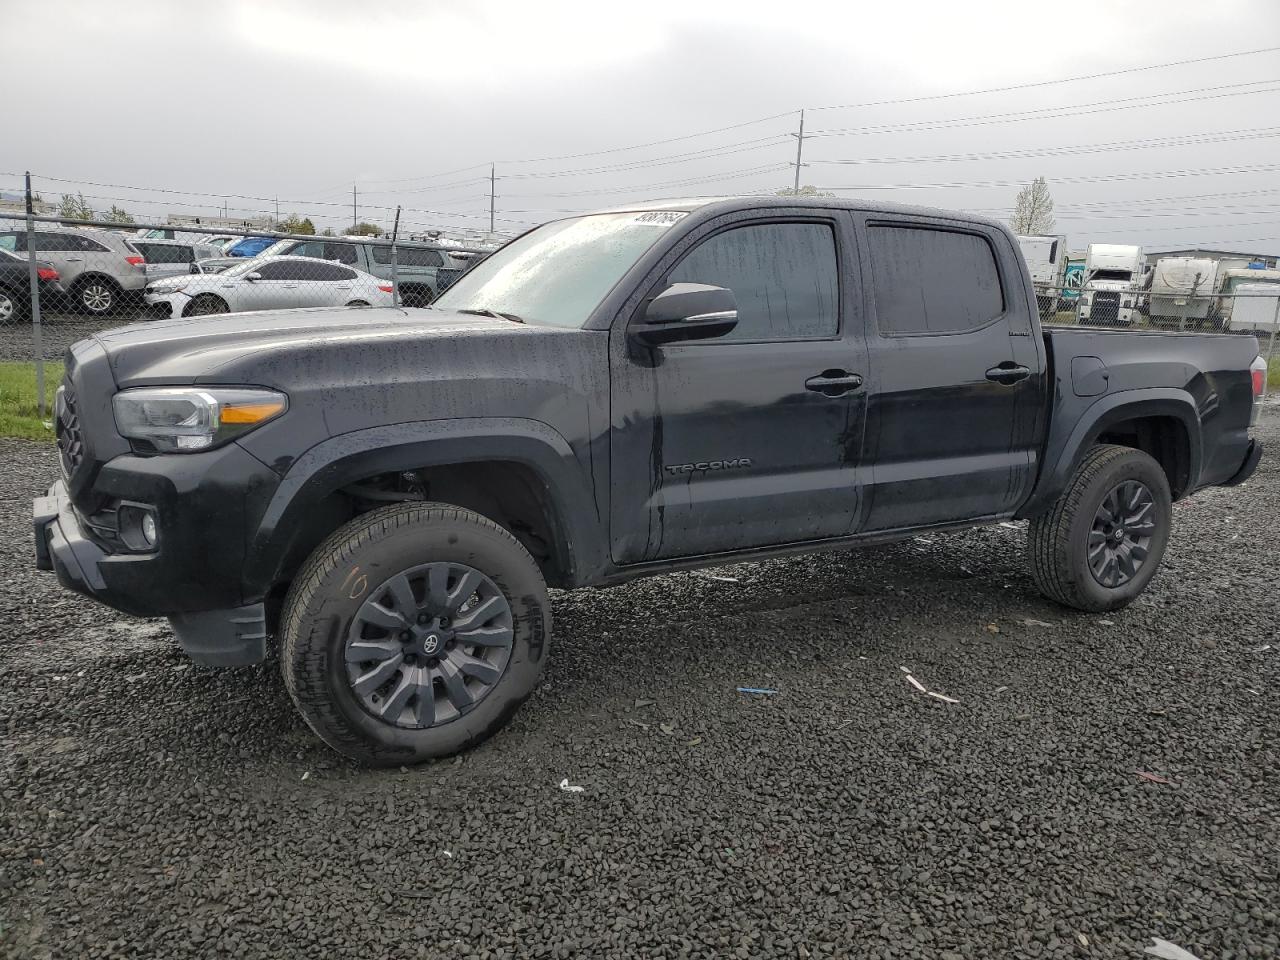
<point>833,383</point>
<point>1008,372</point>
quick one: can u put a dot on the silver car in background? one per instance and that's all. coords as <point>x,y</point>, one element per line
<point>266,283</point>
<point>98,268</point>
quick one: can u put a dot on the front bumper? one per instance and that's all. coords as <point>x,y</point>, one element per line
<point>205,506</point>
<point>164,306</point>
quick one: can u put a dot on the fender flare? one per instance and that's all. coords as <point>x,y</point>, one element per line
<point>1061,459</point>
<point>339,461</point>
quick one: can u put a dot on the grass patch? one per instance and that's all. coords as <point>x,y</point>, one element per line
<point>1273,376</point>
<point>19,416</point>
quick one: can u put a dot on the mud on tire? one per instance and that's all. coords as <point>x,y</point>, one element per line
<point>371,612</point>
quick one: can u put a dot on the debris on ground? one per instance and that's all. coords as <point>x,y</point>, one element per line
<point>993,628</point>
<point>667,728</point>
<point>999,689</point>
<point>939,696</point>
<point>694,742</point>
<point>306,775</point>
<point>927,692</point>
<point>716,577</point>
<point>568,787</point>
<point>1168,951</point>
<point>766,691</point>
<point>642,702</point>
<point>1082,939</point>
<point>1029,622</point>
<point>917,684</point>
<point>1152,777</point>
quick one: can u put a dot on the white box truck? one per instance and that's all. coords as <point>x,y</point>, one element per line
<point>1046,258</point>
<point>1112,279</point>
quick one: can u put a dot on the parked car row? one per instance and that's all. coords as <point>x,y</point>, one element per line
<point>176,273</point>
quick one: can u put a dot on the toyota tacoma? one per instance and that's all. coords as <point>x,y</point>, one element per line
<point>388,493</point>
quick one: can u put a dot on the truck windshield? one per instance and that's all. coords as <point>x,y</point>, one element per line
<point>1124,275</point>
<point>557,274</point>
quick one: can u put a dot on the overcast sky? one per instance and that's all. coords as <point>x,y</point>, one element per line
<point>299,100</point>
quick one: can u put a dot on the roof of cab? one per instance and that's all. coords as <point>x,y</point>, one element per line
<point>710,206</point>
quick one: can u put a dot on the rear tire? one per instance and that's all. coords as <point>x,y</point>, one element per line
<point>390,665</point>
<point>1102,541</point>
<point>96,296</point>
<point>206,305</point>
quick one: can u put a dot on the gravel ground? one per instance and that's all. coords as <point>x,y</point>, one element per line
<point>57,332</point>
<point>149,808</point>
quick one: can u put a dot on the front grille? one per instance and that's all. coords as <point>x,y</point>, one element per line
<point>67,429</point>
<point>1106,308</point>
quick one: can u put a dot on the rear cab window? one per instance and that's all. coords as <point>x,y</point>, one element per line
<point>933,280</point>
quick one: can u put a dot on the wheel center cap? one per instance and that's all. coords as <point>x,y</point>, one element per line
<point>430,644</point>
<point>1118,535</point>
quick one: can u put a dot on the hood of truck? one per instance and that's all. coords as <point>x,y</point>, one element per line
<point>203,349</point>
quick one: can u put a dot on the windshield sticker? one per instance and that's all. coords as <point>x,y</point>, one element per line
<point>661,218</point>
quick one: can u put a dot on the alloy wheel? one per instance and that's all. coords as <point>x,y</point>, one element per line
<point>428,645</point>
<point>1120,538</point>
<point>96,297</point>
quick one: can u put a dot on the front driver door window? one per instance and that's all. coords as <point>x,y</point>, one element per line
<point>723,444</point>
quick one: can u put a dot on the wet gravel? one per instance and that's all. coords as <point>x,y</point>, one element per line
<point>152,809</point>
<point>57,332</point>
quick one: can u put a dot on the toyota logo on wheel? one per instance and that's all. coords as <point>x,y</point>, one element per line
<point>431,644</point>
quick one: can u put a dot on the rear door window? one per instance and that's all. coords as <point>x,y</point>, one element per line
<point>932,281</point>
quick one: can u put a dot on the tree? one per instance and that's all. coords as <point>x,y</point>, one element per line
<point>74,207</point>
<point>365,230</point>
<point>295,224</point>
<point>1033,209</point>
<point>116,215</point>
<point>327,232</point>
<point>808,190</point>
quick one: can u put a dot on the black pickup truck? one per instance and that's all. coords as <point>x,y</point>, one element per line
<point>389,492</point>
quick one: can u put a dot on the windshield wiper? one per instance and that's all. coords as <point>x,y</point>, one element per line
<point>485,312</point>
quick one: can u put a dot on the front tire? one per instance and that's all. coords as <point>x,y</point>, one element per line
<point>414,632</point>
<point>206,305</point>
<point>1102,541</point>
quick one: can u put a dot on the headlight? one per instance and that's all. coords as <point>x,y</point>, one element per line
<point>187,419</point>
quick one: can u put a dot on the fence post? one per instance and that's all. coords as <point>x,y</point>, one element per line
<point>395,263</point>
<point>33,278</point>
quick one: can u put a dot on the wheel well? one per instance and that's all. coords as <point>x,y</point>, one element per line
<point>509,493</point>
<point>90,275</point>
<point>204,296</point>
<point>1164,439</point>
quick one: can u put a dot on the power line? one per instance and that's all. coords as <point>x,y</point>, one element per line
<point>1051,113</point>
<point>1098,178</point>
<point>1191,139</point>
<point>1048,83</point>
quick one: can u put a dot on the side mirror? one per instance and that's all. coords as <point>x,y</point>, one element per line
<point>253,277</point>
<point>194,268</point>
<point>687,311</point>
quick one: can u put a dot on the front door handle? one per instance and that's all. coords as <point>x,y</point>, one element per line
<point>1008,372</point>
<point>833,383</point>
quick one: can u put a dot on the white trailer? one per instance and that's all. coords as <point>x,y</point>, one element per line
<point>1112,277</point>
<point>1183,289</point>
<point>1046,258</point>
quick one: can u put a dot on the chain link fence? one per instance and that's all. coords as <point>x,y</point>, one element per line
<point>62,280</point>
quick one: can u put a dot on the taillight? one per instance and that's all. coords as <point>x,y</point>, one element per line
<point>1258,370</point>
<point>136,261</point>
<point>46,273</point>
<point>386,289</point>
